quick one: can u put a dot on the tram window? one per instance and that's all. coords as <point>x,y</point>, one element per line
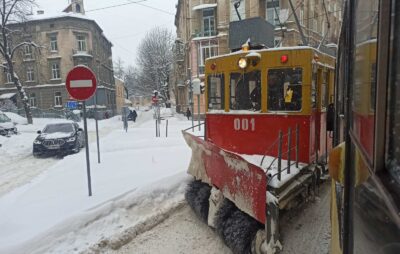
<point>285,89</point>
<point>216,92</point>
<point>245,91</point>
<point>314,90</point>
<point>324,98</point>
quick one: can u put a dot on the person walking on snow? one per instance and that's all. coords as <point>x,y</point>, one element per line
<point>188,113</point>
<point>134,115</point>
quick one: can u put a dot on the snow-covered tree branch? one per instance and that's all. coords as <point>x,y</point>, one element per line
<point>155,57</point>
<point>14,11</point>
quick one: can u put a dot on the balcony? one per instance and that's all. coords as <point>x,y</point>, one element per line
<point>85,54</point>
<point>204,34</point>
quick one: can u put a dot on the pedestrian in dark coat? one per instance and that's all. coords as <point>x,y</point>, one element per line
<point>188,113</point>
<point>134,115</point>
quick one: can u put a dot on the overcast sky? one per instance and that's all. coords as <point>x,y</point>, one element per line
<point>125,25</point>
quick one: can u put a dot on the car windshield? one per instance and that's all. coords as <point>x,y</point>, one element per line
<point>4,118</point>
<point>53,128</point>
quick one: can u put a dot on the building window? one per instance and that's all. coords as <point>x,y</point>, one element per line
<point>241,10</point>
<point>30,74</point>
<point>207,49</point>
<point>81,43</point>
<point>315,25</point>
<point>334,10</point>
<point>55,71</point>
<point>57,99</point>
<point>28,51</point>
<point>277,41</point>
<point>273,10</point>
<point>302,16</point>
<point>9,78</point>
<point>32,100</point>
<point>285,89</point>
<point>208,22</point>
<point>53,43</point>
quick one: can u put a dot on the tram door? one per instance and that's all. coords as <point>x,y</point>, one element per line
<point>322,100</point>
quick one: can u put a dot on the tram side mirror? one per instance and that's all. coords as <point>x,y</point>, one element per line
<point>330,117</point>
<point>336,162</point>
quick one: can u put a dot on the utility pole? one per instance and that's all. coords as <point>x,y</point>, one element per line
<point>191,96</point>
<point>198,76</point>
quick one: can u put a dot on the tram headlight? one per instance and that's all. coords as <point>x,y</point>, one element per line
<point>242,63</point>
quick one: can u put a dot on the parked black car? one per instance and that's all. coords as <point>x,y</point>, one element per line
<point>7,127</point>
<point>59,139</point>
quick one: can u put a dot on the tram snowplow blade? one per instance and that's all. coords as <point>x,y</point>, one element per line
<point>241,182</point>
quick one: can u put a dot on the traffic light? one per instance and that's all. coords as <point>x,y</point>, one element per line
<point>202,88</point>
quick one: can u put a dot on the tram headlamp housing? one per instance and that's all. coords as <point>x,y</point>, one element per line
<point>242,63</point>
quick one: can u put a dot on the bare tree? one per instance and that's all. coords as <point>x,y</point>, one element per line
<point>155,58</point>
<point>12,12</point>
<point>119,70</point>
<point>131,81</point>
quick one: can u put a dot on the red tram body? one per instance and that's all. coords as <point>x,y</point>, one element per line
<point>262,104</point>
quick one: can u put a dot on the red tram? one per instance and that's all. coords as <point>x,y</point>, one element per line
<point>266,140</point>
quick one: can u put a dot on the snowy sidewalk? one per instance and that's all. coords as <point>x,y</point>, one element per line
<point>54,212</point>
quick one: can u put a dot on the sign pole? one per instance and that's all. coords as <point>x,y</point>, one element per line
<point>198,110</point>
<point>191,97</point>
<point>87,149</point>
<point>81,84</point>
<point>97,127</point>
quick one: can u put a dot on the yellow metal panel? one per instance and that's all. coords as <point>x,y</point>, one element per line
<point>206,93</point>
<point>227,90</point>
<point>271,58</point>
<point>264,95</point>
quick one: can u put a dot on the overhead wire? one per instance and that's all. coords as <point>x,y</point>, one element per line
<point>153,8</point>
<point>115,5</point>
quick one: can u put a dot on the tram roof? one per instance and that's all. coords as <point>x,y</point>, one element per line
<point>269,50</point>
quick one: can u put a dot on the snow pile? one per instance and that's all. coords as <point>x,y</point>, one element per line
<point>2,139</point>
<point>138,176</point>
<point>166,112</point>
<point>273,170</point>
<point>15,118</point>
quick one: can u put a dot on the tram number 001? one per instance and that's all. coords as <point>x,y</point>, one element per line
<point>244,124</point>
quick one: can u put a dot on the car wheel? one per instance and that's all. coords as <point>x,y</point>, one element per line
<point>77,148</point>
<point>81,144</point>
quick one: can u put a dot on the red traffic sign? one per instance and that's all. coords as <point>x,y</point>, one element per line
<point>81,83</point>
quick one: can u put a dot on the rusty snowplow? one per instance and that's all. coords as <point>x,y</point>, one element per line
<point>240,199</point>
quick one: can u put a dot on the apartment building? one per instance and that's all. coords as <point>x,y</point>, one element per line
<point>65,41</point>
<point>202,28</point>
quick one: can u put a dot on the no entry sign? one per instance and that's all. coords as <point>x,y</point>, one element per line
<point>81,83</point>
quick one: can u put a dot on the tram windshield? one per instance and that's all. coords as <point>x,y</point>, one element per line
<point>245,91</point>
<point>285,89</point>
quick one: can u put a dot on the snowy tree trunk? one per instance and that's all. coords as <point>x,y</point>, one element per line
<point>20,89</point>
<point>14,10</point>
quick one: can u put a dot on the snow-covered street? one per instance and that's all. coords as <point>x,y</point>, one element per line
<point>138,201</point>
<point>49,209</point>
<point>184,232</point>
